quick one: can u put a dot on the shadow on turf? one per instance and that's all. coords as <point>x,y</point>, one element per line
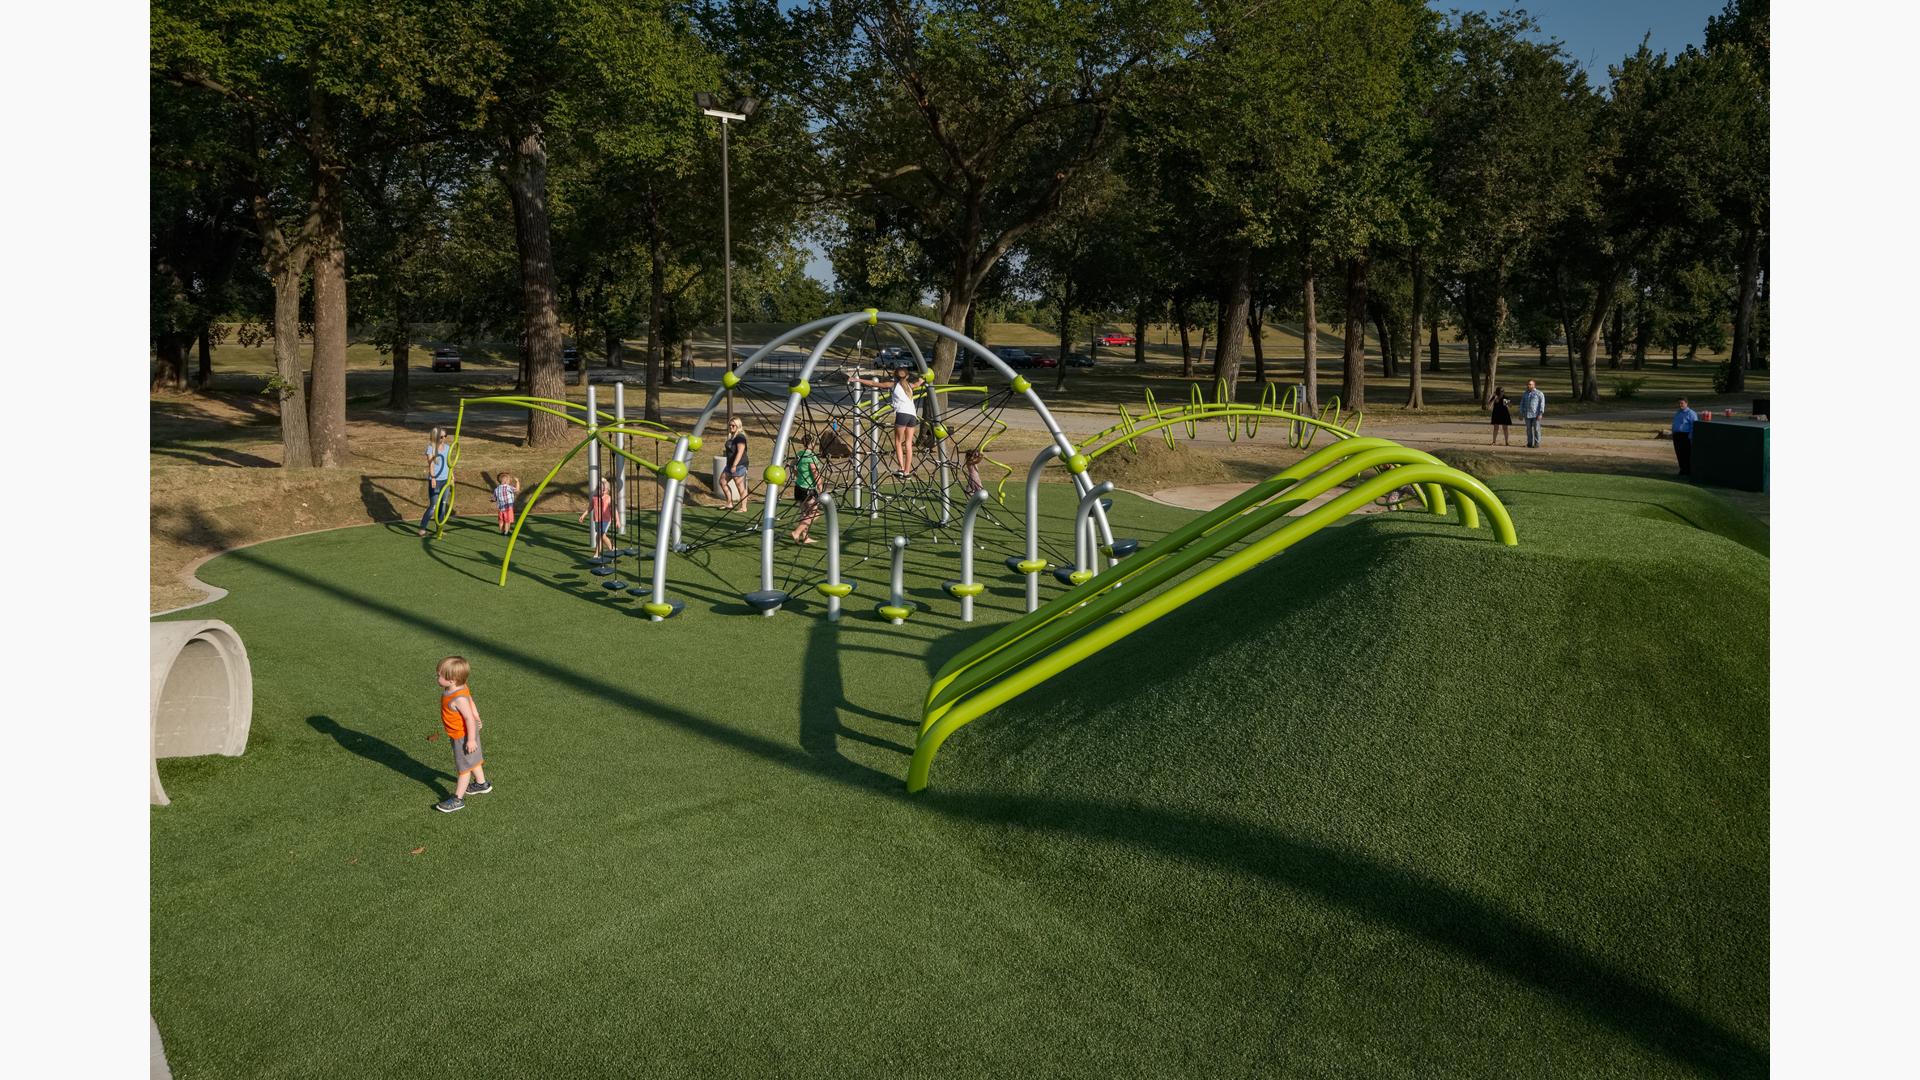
<point>1493,939</point>
<point>381,752</point>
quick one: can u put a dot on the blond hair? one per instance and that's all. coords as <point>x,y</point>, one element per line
<point>455,670</point>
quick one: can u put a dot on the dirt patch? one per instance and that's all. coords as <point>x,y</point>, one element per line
<point>1477,464</point>
<point>1151,466</point>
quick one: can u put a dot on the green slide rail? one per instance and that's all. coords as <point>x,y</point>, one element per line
<point>1087,618</point>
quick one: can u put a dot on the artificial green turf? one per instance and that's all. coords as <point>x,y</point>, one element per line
<point>1400,803</point>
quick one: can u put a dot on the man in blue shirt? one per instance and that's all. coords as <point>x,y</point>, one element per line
<point>1683,421</point>
<point>1533,405</point>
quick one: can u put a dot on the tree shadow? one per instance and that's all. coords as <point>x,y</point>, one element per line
<point>1400,899</point>
<point>379,507</point>
<point>381,752</point>
<point>215,456</point>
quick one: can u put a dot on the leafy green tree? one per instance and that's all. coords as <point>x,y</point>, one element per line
<point>960,126</point>
<point>1510,132</point>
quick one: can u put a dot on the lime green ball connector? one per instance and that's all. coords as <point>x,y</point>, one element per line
<point>675,470</point>
<point>693,442</point>
<point>729,379</point>
<point>1077,464</point>
<point>776,475</point>
<point>802,388</point>
<point>939,431</point>
<point>1021,385</point>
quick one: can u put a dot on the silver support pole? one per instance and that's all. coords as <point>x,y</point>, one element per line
<point>966,552</point>
<point>899,598</point>
<point>593,451</point>
<point>619,461</point>
<point>778,456</point>
<point>1086,549</point>
<point>873,459</point>
<point>833,553</point>
<point>669,496</point>
<point>1033,525</point>
<point>859,436</point>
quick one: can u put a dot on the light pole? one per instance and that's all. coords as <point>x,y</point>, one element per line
<point>739,109</point>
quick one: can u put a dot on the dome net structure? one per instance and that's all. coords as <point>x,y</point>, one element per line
<point>851,425</point>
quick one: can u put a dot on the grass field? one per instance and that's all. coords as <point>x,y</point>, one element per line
<point>1400,803</point>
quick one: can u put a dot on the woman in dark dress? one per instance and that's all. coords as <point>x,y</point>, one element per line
<point>1502,417</point>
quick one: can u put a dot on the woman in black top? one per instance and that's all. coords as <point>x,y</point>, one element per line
<point>1502,417</point>
<point>733,484</point>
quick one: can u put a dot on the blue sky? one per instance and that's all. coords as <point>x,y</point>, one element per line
<point>1594,33</point>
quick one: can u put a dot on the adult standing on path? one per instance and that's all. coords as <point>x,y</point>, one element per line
<point>1502,417</point>
<point>437,475</point>
<point>1683,420</point>
<point>1533,405</point>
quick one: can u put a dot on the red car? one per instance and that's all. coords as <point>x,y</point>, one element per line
<point>1117,339</point>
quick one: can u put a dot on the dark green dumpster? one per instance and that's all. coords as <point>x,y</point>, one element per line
<point>1731,453</point>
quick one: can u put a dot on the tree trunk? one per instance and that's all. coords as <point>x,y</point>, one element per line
<point>1066,334</point>
<point>656,310</point>
<point>204,379</point>
<point>296,450</point>
<point>327,409</point>
<point>1256,330</point>
<point>1492,345</point>
<point>1642,334</point>
<point>170,349</point>
<point>526,176</point>
<point>1415,396</point>
<point>1353,381</point>
<point>1589,385</point>
<point>1476,357</point>
<point>1433,343</point>
<point>1616,331</point>
<point>1675,362</point>
<point>956,304</point>
<point>1309,349</point>
<point>1233,323</point>
<point>1140,334</point>
<point>1186,345</point>
<point>399,396</point>
<point>966,361</point>
<point>1743,310</point>
<point>1387,367</point>
<point>614,359</point>
<point>1544,360</point>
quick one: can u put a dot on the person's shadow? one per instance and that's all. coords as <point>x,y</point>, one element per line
<point>382,752</point>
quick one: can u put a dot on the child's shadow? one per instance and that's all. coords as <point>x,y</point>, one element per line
<point>382,752</point>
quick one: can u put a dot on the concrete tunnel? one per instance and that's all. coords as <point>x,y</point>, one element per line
<point>202,694</point>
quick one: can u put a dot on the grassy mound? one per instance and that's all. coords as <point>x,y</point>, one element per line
<point>1435,782</point>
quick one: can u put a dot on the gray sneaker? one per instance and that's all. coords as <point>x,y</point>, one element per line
<point>449,805</point>
<point>479,789</point>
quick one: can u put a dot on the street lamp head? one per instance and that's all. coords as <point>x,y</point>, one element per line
<point>746,105</point>
<point>706,101</point>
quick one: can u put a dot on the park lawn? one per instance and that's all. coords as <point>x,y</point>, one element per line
<point>1401,802</point>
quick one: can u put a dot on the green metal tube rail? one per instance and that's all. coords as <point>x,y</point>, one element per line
<point>963,675</point>
<point>1131,569</point>
<point>995,675</point>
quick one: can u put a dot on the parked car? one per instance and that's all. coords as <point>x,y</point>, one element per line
<point>446,359</point>
<point>570,359</point>
<point>1116,340</point>
<point>1045,361</point>
<point>1013,357</point>
<point>893,358</point>
<point>1079,360</point>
